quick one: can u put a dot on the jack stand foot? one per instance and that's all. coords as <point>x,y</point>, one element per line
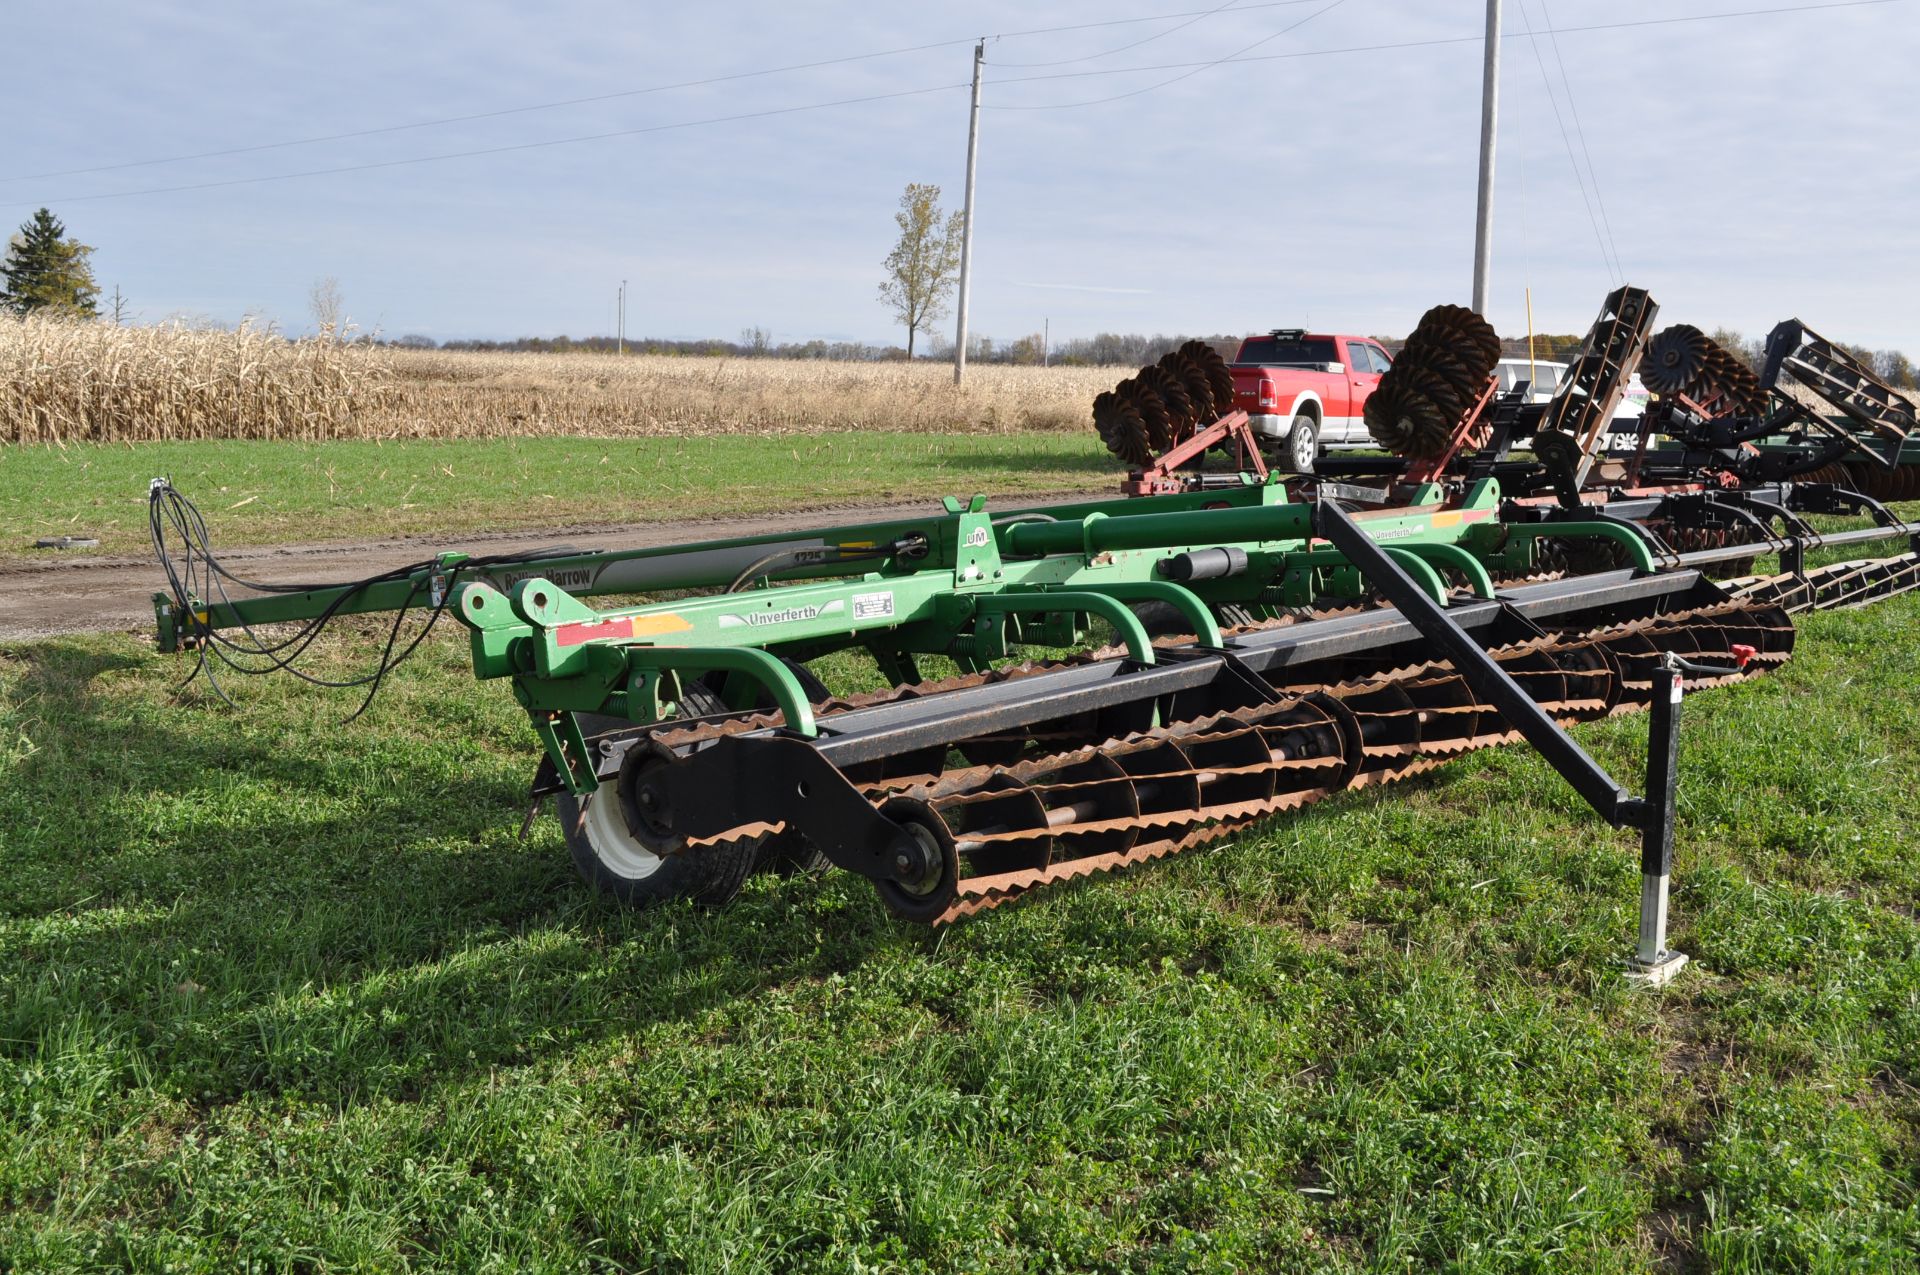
<point>1656,973</point>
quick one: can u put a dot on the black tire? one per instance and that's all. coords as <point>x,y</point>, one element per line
<point>1163,619</point>
<point>1302,446</point>
<point>617,851</point>
<point>810,685</point>
<point>1160,619</point>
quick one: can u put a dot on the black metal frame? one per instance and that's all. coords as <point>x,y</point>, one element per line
<point>1489,681</point>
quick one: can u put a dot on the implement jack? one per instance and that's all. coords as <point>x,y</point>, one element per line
<point>1652,965</point>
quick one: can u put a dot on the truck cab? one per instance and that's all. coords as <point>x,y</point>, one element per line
<point>1305,390</point>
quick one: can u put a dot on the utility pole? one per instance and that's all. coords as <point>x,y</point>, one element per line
<point>623,317</point>
<point>1489,114</point>
<point>966,230</point>
<point>1046,340</point>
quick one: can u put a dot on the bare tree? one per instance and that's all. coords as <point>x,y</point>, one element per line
<point>118,309</point>
<point>326,303</point>
<point>1896,369</point>
<point>922,266</point>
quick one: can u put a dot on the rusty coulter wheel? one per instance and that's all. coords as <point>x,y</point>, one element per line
<point>1121,429</point>
<point>1676,356</point>
<point>1152,412</point>
<point>1172,392</point>
<point>1193,378</point>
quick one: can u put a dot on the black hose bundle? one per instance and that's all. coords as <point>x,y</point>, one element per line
<point>198,578</point>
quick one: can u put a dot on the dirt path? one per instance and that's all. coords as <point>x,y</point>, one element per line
<point>77,593</point>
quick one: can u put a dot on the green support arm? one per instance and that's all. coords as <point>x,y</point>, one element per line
<point>1638,551</point>
<point>750,661</point>
<point>1460,560</point>
<point>1106,606</point>
<point>1206,630</point>
<point>1415,566</point>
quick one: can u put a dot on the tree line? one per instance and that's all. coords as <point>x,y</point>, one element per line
<point>1105,349</point>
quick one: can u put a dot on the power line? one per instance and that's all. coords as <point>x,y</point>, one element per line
<point>1194,14</point>
<point>884,53</point>
<point>1580,132</point>
<point>1446,40</point>
<point>1609,265</point>
<point>502,150</point>
<point>1101,101</point>
<point>1192,67</point>
<point>1159,35</point>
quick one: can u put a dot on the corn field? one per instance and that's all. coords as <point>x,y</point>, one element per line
<point>71,381</point>
<point>66,381</point>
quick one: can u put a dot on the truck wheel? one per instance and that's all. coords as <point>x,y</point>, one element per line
<point>1303,445</point>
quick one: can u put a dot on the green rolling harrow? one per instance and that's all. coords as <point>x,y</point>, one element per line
<point>1118,680</point>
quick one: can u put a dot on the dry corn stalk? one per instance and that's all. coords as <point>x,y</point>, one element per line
<point>64,381</point>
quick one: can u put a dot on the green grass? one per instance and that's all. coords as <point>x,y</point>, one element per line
<point>272,492</point>
<point>280,994</point>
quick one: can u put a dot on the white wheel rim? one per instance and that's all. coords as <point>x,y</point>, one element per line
<point>614,844</point>
<point>1302,449</point>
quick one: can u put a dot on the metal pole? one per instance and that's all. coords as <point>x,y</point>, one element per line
<point>966,230</point>
<point>1489,113</point>
<point>1533,372</point>
<point>1652,963</point>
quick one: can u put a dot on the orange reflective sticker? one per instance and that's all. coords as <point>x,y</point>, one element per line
<point>650,625</point>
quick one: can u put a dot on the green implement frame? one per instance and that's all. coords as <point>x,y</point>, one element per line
<point>962,583</point>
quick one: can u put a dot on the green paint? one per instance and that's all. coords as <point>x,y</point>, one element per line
<point>962,581</point>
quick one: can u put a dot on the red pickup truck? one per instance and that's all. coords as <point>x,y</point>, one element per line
<point>1304,390</point>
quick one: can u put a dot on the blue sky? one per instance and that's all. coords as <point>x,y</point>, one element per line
<point>1751,168</point>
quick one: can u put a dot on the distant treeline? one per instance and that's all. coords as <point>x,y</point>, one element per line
<point>1103,350</point>
<point>1106,349</point>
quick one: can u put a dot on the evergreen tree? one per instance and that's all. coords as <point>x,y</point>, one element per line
<point>46,271</point>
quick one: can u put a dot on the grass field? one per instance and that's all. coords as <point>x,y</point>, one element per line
<point>279,994</point>
<point>264,493</point>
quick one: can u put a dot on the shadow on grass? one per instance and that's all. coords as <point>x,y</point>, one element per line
<point>253,917</point>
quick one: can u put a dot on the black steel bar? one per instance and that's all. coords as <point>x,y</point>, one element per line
<point>1652,961</point>
<point>1822,540</point>
<point>900,726</point>
<point>904,726</point>
<point>1374,630</point>
<point>1663,768</point>
<point>883,730</point>
<point>1489,681</point>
